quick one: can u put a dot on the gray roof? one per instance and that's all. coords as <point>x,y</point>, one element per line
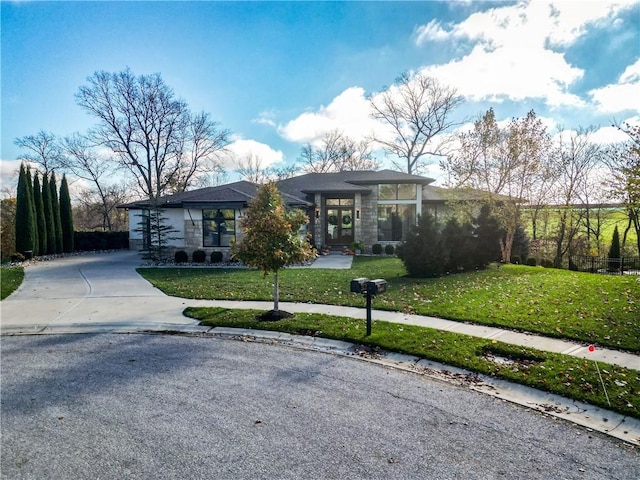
<point>346,182</point>
<point>237,194</point>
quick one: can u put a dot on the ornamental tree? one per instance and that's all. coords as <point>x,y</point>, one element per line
<point>271,237</point>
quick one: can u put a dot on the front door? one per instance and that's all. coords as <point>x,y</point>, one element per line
<point>339,224</point>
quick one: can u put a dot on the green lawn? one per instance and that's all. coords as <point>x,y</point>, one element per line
<point>604,310</point>
<point>567,376</point>
<point>10,279</point>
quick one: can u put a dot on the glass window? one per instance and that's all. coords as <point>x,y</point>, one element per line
<point>394,221</point>
<point>339,201</point>
<point>402,191</point>
<point>218,227</point>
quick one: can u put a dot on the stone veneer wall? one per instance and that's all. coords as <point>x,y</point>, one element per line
<point>369,219</point>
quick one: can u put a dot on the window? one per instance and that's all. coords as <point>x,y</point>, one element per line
<point>218,227</point>
<point>344,202</point>
<point>401,191</point>
<point>394,221</point>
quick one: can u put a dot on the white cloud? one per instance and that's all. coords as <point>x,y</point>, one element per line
<point>511,54</point>
<point>348,112</point>
<point>9,176</point>
<point>621,96</point>
<point>241,148</point>
<point>266,118</point>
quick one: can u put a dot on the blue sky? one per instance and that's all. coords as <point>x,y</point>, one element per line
<point>280,74</point>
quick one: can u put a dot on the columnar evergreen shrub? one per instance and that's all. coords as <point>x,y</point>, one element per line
<point>520,246</point>
<point>181,257</point>
<point>41,222</point>
<point>57,222</point>
<point>199,256</point>
<point>376,249</point>
<point>614,251</point>
<point>48,215</point>
<point>487,233</point>
<point>66,217</point>
<point>460,246</point>
<point>24,221</point>
<point>36,239</point>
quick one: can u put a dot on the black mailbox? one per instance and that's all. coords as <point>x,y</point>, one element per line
<point>374,287</point>
<point>359,285</point>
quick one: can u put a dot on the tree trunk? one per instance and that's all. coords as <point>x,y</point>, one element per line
<point>276,291</point>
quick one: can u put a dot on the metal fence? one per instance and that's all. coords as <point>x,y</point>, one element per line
<point>605,265</point>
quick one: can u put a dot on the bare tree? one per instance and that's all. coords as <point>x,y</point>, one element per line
<point>250,168</point>
<point>417,109</point>
<point>337,152</point>
<point>623,183</point>
<point>572,165</point>
<point>42,149</point>
<point>503,164</point>
<point>153,134</point>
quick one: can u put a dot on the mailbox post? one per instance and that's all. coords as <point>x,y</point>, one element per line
<point>369,288</point>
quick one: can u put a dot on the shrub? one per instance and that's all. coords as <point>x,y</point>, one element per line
<point>459,246</point>
<point>216,257</point>
<point>531,261</point>
<point>614,251</point>
<point>424,253</point>
<point>520,247</point>
<point>199,256</point>
<point>546,263</point>
<point>515,259</point>
<point>389,249</point>
<point>376,249</point>
<point>181,257</point>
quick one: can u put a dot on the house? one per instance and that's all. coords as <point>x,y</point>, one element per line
<point>365,206</point>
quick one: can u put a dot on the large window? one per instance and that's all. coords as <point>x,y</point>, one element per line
<point>401,191</point>
<point>394,221</point>
<point>218,227</point>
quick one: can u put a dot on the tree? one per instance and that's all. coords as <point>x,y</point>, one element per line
<point>614,251</point>
<point>417,109</point>
<point>572,164</point>
<point>336,152</point>
<point>41,222</point>
<point>623,183</point>
<point>66,216</point>
<point>504,164</point>
<point>424,252</point>
<point>86,163</point>
<point>488,234</point>
<point>153,134</point>
<point>24,220</point>
<point>7,227</point>
<point>271,237</point>
<point>48,215</point>
<point>43,149</point>
<point>250,168</point>
<point>57,221</point>
<point>32,203</point>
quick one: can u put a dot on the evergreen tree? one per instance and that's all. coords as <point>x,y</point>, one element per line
<point>520,247</point>
<point>488,234</point>
<point>48,215</point>
<point>32,202</point>
<point>66,216</point>
<point>24,223</point>
<point>614,251</point>
<point>40,220</point>
<point>424,253</point>
<point>57,222</point>
<point>460,245</point>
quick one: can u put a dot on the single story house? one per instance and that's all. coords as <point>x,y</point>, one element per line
<point>364,206</point>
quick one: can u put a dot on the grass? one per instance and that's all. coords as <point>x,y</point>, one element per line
<point>604,310</point>
<point>10,279</point>
<point>567,376</point>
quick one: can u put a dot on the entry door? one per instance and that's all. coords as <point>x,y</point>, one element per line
<point>339,225</point>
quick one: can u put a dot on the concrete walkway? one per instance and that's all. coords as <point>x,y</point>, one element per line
<point>102,293</point>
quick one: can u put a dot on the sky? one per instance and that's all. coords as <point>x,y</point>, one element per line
<point>281,74</point>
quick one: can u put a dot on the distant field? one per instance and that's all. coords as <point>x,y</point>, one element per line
<point>547,225</point>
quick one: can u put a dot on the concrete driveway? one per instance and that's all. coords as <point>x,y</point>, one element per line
<point>91,291</point>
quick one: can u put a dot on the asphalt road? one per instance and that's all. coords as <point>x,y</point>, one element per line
<point>160,406</point>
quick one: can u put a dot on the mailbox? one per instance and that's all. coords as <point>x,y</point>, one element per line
<point>377,286</point>
<point>359,285</point>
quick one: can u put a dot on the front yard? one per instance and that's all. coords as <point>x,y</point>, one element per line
<point>604,310</point>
